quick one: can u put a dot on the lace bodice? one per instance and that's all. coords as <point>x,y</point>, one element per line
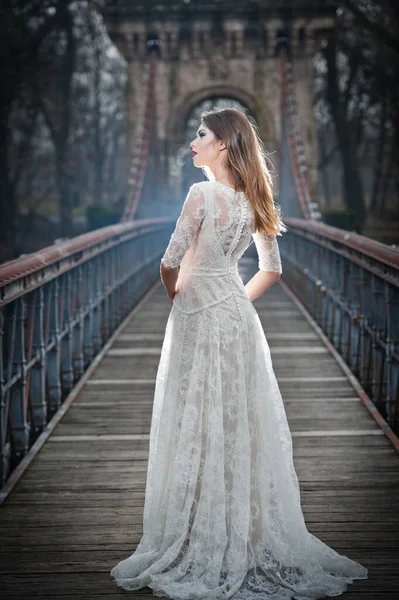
<point>213,212</point>
<point>230,220</point>
<point>213,230</point>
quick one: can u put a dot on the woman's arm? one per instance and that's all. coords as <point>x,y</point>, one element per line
<point>260,283</point>
<point>187,225</point>
<point>169,278</point>
<point>269,265</point>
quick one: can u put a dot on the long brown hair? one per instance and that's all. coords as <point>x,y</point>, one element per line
<point>247,160</point>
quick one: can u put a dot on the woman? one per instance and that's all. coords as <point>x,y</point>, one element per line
<point>222,514</point>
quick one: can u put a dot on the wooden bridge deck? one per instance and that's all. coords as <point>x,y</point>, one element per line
<point>77,510</point>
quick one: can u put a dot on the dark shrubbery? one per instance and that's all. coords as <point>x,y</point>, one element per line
<point>98,216</point>
<point>341,217</point>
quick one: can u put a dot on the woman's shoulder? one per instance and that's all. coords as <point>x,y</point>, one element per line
<point>209,187</point>
<point>201,189</point>
<point>203,185</point>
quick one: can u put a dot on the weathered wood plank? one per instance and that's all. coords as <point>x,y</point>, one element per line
<point>125,532</point>
<point>45,516</point>
<point>44,585</point>
<point>46,561</point>
<point>52,584</point>
<point>354,498</point>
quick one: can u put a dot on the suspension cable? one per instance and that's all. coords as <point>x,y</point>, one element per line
<point>296,146</point>
<point>140,157</point>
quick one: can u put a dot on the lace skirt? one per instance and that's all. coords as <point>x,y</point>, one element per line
<point>222,513</point>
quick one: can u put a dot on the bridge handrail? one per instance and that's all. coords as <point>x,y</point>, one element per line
<point>67,255</point>
<point>365,246</point>
<point>350,285</point>
<point>57,309</point>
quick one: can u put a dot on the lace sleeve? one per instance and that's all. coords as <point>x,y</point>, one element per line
<point>187,225</point>
<point>268,252</point>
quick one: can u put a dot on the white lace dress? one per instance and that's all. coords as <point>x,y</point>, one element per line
<point>222,514</point>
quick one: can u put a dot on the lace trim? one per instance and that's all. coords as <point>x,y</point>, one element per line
<point>268,252</point>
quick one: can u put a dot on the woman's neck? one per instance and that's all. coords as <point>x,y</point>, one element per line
<point>224,176</point>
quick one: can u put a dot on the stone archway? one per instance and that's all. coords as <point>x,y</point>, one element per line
<point>204,53</point>
<point>182,107</point>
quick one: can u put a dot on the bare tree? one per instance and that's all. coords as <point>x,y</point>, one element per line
<point>61,114</point>
<point>359,76</point>
<point>338,101</point>
<point>57,108</point>
<point>24,26</point>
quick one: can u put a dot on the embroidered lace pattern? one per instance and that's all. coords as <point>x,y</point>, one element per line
<point>187,225</point>
<point>222,513</point>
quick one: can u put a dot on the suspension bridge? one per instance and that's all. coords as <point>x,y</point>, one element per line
<point>81,327</point>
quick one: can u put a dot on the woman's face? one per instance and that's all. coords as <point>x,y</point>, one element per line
<point>206,148</point>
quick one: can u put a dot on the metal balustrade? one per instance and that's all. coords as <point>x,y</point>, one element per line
<point>59,306</point>
<point>350,285</point>
<point>57,309</point>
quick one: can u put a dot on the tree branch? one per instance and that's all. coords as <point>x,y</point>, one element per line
<point>378,30</point>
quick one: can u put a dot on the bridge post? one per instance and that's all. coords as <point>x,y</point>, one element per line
<point>20,428</point>
<point>97,308</point>
<point>366,343</point>
<point>344,308</point>
<point>53,355</point>
<point>354,293</point>
<point>378,329</point>
<point>67,341</point>
<point>78,361</point>
<point>119,279</point>
<point>113,321</point>
<point>392,348</point>
<point>37,374</point>
<point>338,275</point>
<point>105,285</point>
<point>5,447</point>
<point>88,314</point>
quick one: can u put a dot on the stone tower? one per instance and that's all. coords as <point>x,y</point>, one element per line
<point>213,48</point>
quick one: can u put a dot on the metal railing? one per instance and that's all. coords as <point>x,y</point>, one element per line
<point>350,285</point>
<point>57,308</point>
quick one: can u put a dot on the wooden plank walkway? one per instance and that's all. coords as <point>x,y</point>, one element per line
<point>77,510</point>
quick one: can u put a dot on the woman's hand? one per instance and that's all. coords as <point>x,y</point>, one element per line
<point>171,298</point>
<point>169,278</point>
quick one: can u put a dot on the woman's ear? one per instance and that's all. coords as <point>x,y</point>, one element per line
<point>221,145</point>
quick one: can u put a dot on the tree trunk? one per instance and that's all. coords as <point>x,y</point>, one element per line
<point>8,201</point>
<point>352,181</point>
<point>380,155</point>
<point>62,138</point>
<point>387,177</point>
<point>65,208</point>
<point>98,142</point>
